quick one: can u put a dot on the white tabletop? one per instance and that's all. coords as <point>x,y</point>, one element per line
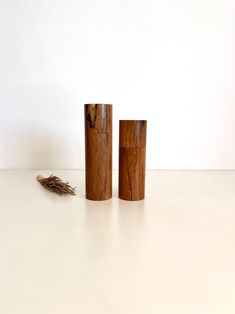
<point>172,253</point>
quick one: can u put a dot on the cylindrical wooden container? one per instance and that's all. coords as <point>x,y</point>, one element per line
<point>132,155</point>
<point>98,151</point>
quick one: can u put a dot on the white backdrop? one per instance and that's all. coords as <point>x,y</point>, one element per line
<point>170,62</point>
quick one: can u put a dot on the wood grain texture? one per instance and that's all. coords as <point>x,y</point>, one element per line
<point>98,118</point>
<point>132,156</point>
<point>132,133</point>
<point>98,151</point>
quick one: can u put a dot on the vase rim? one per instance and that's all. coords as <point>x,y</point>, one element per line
<point>132,120</point>
<point>100,104</point>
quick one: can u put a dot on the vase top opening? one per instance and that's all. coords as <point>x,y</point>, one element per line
<point>95,104</point>
<point>132,120</point>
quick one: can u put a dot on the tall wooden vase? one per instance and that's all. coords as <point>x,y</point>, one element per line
<point>98,151</point>
<point>132,155</point>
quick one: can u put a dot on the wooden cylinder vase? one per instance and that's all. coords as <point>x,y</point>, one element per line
<point>98,151</point>
<point>132,155</point>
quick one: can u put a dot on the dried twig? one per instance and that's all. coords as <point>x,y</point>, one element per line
<point>55,184</point>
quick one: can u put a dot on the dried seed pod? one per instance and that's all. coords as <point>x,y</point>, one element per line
<point>55,184</point>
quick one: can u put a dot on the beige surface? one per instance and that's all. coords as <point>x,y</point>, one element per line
<point>172,253</point>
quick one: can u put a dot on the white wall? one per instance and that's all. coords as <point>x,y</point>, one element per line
<point>170,62</point>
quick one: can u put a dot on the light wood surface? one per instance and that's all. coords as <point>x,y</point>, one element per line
<point>173,253</point>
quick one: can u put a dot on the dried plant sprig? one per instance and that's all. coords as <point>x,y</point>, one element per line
<point>55,184</point>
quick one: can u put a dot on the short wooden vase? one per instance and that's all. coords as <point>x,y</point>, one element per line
<point>132,155</point>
